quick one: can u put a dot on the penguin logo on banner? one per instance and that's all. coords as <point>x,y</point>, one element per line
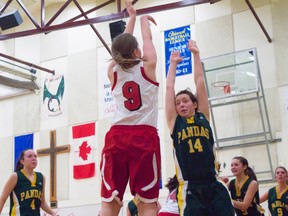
<point>53,94</point>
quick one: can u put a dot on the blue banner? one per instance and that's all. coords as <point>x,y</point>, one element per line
<point>177,39</point>
<point>22,143</point>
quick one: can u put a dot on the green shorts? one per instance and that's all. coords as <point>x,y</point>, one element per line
<point>208,199</point>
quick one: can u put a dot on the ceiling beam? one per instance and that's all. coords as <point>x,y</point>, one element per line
<point>44,28</point>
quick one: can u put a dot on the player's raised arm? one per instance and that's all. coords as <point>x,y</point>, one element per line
<point>199,80</point>
<point>132,14</point>
<point>149,53</point>
<point>129,29</point>
<point>170,108</point>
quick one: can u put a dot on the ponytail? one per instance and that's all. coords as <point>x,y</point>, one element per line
<point>123,47</point>
<point>19,165</point>
<point>250,172</point>
<point>126,63</point>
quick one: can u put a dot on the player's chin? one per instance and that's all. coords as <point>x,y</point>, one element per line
<point>34,165</point>
<point>234,172</point>
<point>183,113</point>
<point>183,116</point>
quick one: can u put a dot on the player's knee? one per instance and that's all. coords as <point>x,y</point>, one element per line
<point>110,208</point>
<point>147,208</point>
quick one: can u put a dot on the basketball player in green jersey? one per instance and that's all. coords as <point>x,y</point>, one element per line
<point>278,196</point>
<point>26,188</point>
<point>244,188</point>
<point>187,115</point>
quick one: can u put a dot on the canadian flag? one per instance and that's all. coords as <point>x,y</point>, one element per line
<point>83,148</point>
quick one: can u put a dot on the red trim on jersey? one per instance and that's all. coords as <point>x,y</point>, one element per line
<point>115,80</point>
<point>167,214</point>
<point>147,78</point>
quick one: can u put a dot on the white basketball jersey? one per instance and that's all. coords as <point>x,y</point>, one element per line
<point>136,97</point>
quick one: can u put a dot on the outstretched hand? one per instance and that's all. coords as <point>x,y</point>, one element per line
<point>175,56</point>
<point>192,46</point>
<point>225,179</point>
<point>130,9</point>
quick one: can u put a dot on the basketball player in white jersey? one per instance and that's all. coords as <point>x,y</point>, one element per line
<point>132,149</point>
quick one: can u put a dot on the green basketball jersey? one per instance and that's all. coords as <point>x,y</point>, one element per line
<point>239,194</point>
<point>193,147</point>
<point>25,199</point>
<point>278,203</point>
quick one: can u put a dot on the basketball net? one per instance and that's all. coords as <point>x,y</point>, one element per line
<point>223,86</point>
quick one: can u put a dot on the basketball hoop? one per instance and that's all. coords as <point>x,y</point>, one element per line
<point>219,85</point>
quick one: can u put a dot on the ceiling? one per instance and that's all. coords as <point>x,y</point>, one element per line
<point>85,9</point>
<point>86,12</point>
<point>48,24</point>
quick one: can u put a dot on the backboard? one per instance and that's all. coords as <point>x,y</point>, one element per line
<point>231,74</point>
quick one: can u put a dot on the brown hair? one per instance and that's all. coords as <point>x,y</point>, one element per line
<point>249,171</point>
<point>19,165</point>
<point>122,49</point>
<point>281,167</point>
<point>190,94</point>
<point>172,183</point>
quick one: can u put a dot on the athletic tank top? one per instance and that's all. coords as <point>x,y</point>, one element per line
<point>193,149</point>
<point>25,199</point>
<point>136,97</point>
<point>278,203</point>
<point>239,194</point>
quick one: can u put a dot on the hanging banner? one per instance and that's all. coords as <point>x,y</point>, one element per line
<point>83,145</point>
<point>21,143</point>
<point>53,93</point>
<point>177,39</point>
<point>106,105</point>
